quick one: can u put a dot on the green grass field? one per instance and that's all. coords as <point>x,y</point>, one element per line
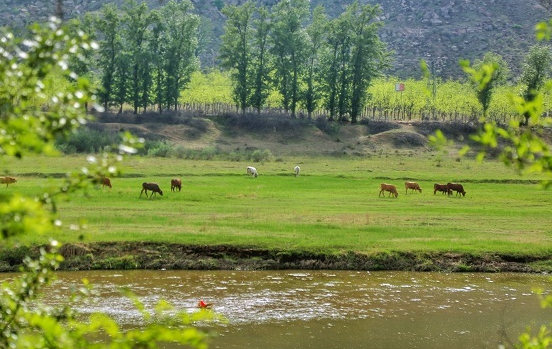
<point>332,206</point>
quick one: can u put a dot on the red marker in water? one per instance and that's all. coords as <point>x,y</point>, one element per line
<point>202,304</point>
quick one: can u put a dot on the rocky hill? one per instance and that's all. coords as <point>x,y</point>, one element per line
<point>439,31</point>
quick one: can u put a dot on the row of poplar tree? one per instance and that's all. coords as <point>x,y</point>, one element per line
<point>309,59</point>
<point>146,57</point>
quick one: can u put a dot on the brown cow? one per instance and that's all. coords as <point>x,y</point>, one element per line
<point>153,187</point>
<point>458,188</point>
<point>176,183</point>
<point>7,180</point>
<point>388,187</point>
<point>413,186</point>
<point>441,187</point>
<point>106,182</point>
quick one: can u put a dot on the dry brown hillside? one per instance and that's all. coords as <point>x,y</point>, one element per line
<point>282,135</point>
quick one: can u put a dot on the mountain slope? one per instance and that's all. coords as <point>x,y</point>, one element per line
<point>439,31</point>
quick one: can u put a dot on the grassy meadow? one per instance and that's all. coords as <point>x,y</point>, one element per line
<point>333,206</point>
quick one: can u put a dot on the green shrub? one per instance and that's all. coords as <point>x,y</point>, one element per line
<point>13,256</point>
<point>260,155</point>
<point>208,153</point>
<point>87,140</point>
<point>180,152</point>
<point>237,155</point>
<point>257,155</point>
<point>159,149</point>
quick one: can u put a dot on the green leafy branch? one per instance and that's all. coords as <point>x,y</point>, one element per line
<point>31,120</point>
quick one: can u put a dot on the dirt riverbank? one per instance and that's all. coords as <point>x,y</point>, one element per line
<point>159,256</point>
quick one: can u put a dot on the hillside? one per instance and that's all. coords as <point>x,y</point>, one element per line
<point>439,31</point>
<point>283,135</point>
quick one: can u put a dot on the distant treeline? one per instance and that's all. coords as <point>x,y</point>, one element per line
<point>286,58</point>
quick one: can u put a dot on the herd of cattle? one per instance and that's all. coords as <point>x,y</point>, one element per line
<point>413,186</point>
<point>176,183</point>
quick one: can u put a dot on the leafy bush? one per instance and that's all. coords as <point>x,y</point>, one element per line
<point>180,152</point>
<point>195,154</point>
<point>159,149</point>
<point>260,155</point>
<point>166,149</point>
<point>13,256</point>
<point>87,140</point>
<point>257,155</point>
<point>208,153</point>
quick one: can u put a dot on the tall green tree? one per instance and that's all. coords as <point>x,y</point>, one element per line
<point>109,26</point>
<point>205,37</point>
<point>157,52</point>
<point>261,59</point>
<point>535,71</point>
<point>83,64</point>
<point>236,47</point>
<point>317,35</point>
<point>289,39</point>
<point>335,67</point>
<point>369,55</point>
<point>180,41</point>
<point>136,20</point>
<point>121,80</point>
<point>354,55</point>
<point>485,76</point>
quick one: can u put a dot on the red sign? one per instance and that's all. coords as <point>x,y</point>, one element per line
<point>399,87</point>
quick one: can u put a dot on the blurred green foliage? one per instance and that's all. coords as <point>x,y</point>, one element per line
<point>33,114</point>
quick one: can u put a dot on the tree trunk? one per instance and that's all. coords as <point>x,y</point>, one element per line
<point>59,9</point>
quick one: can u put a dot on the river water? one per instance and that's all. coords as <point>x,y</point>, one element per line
<point>330,309</point>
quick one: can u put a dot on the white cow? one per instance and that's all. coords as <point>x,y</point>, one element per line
<point>297,169</point>
<point>252,171</point>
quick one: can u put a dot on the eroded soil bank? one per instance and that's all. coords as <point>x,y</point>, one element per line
<point>156,256</point>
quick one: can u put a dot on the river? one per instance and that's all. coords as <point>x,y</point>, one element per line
<point>330,309</point>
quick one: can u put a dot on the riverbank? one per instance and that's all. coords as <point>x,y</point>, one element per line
<point>168,256</point>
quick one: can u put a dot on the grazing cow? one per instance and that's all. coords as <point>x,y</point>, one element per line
<point>297,169</point>
<point>252,171</point>
<point>106,182</point>
<point>388,187</point>
<point>458,188</point>
<point>7,180</point>
<point>153,187</point>
<point>441,187</point>
<point>412,186</point>
<point>176,183</point>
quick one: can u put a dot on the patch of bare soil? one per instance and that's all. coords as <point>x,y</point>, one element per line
<point>399,138</point>
<point>186,135</point>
